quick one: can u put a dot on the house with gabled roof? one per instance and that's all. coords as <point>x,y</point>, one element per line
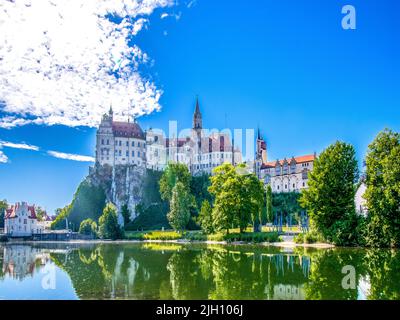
<point>20,220</point>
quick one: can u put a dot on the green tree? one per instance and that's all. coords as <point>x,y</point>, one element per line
<point>88,202</point>
<point>269,204</point>
<point>330,196</point>
<point>40,213</point>
<point>62,216</point>
<point>205,217</point>
<point>253,199</point>
<point>224,189</point>
<point>239,198</point>
<point>173,173</point>
<point>88,227</point>
<point>3,207</point>
<point>126,214</point>
<point>108,223</point>
<point>383,190</point>
<point>180,205</point>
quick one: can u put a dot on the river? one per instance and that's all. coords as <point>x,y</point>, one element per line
<point>195,271</point>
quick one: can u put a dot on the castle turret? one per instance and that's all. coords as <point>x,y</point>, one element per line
<point>261,154</point>
<point>197,123</point>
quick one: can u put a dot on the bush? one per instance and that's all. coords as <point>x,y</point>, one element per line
<point>136,235</point>
<point>153,235</point>
<point>162,235</point>
<point>151,218</point>
<point>255,237</point>
<point>108,223</point>
<point>309,237</point>
<point>88,227</point>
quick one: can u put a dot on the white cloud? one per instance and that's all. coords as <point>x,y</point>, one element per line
<point>70,156</point>
<point>191,3</point>
<point>3,157</point>
<point>65,62</point>
<point>177,16</point>
<point>18,145</point>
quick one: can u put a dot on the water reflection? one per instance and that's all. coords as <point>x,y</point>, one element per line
<point>173,271</point>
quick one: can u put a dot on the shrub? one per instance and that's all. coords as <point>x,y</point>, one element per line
<point>309,237</point>
<point>108,223</point>
<point>88,227</point>
<point>162,235</point>
<point>255,237</point>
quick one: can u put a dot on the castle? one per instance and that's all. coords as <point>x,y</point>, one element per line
<point>125,143</point>
<point>283,175</point>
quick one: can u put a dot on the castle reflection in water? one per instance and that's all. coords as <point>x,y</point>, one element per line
<point>177,271</point>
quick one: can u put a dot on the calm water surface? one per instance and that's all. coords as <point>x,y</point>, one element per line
<point>175,271</point>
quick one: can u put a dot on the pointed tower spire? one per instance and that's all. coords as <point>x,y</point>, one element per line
<point>197,119</point>
<point>197,111</point>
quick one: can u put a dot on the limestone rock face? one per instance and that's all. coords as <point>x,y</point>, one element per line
<point>122,184</point>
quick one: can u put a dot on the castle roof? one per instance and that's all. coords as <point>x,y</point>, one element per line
<point>11,212</point>
<point>300,159</point>
<point>127,130</point>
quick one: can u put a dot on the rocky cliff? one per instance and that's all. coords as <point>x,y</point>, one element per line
<point>122,184</point>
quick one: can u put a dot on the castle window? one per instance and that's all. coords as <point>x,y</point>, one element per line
<point>120,142</point>
<point>127,153</point>
<point>285,169</point>
<point>304,184</point>
<point>138,144</point>
<point>119,152</point>
<point>294,186</point>
<point>305,174</point>
<point>133,143</point>
<point>127,143</point>
<point>102,141</point>
<point>138,153</point>
<point>108,141</point>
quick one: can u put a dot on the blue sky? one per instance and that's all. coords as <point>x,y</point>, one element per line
<point>286,66</point>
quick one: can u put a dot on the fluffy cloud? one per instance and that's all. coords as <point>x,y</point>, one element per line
<point>69,156</point>
<point>18,145</point>
<point>3,157</point>
<point>64,62</point>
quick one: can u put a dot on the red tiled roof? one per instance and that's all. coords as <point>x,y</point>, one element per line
<point>301,159</point>
<point>32,212</point>
<point>11,213</point>
<point>127,129</point>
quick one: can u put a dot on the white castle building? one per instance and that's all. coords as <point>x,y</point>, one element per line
<point>20,220</point>
<point>283,175</point>
<point>122,143</point>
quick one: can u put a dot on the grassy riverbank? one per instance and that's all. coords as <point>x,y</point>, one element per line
<point>234,236</point>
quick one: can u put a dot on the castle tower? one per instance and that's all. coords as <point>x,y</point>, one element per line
<point>197,119</point>
<point>105,139</point>
<point>197,123</point>
<point>261,148</point>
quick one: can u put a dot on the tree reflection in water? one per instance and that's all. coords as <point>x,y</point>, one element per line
<point>177,271</point>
